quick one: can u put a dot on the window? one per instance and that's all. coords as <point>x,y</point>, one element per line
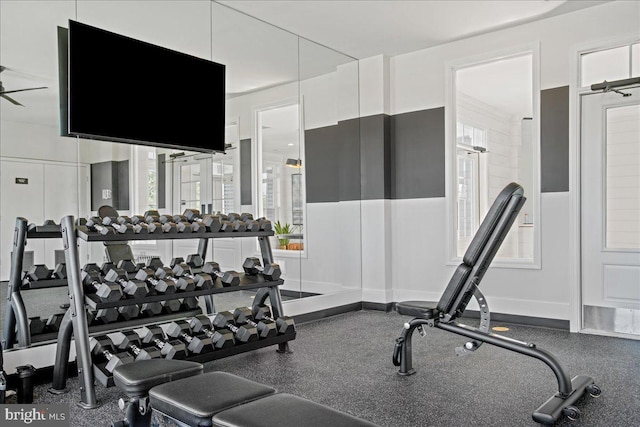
<point>617,63</point>
<point>494,143</point>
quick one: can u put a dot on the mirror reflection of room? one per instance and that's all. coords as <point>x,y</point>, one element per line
<point>216,185</point>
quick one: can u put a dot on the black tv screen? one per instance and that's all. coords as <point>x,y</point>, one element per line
<point>125,90</point>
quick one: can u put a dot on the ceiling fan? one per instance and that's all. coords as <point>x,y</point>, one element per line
<point>3,92</point>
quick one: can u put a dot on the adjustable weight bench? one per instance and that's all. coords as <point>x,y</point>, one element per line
<point>177,390</point>
<point>462,286</point>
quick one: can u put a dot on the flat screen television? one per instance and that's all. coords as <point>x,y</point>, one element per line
<point>125,90</point>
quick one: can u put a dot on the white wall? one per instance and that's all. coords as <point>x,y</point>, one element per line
<point>418,256</point>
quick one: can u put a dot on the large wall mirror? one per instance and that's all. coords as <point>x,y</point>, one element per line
<point>292,139</point>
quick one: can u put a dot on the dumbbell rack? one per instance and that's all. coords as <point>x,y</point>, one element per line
<point>16,313</point>
<point>16,325</point>
<point>75,320</point>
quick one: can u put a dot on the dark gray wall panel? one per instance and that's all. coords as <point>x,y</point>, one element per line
<point>349,160</point>
<point>245,172</point>
<point>121,197</point>
<point>376,172</point>
<point>554,139</point>
<point>322,163</point>
<point>417,154</point>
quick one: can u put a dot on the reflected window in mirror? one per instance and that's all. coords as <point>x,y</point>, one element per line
<point>281,166</point>
<point>145,185</point>
<point>495,141</point>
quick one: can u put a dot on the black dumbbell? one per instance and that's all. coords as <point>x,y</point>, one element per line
<point>175,261</point>
<point>230,226</point>
<point>154,263</point>
<point>211,223</point>
<point>171,306</point>
<point>285,324</point>
<point>189,303</point>
<point>266,328</point>
<point>265,224</point>
<point>133,288</point>
<point>202,280</point>
<point>150,309</point>
<point>195,344</point>
<point>221,338</point>
<point>138,219</point>
<point>106,315</point>
<point>107,267</point>
<point>194,261</point>
<point>172,349</point>
<point>127,265</point>
<point>95,224</point>
<point>191,214</point>
<point>184,227</point>
<point>104,291</point>
<point>38,272</point>
<point>103,349</point>
<point>228,278</point>
<point>181,283</point>
<point>119,227</point>
<point>270,271</point>
<point>54,321</point>
<point>246,219</point>
<point>147,275</point>
<point>244,333</point>
<point>128,312</point>
<point>130,341</point>
<point>60,271</point>
<point>36,325</point>
<point>151,215</point>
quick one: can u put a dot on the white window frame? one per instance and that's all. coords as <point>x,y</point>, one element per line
<point>258,161</point>
<point>627,42</point>
<point>451,152</point>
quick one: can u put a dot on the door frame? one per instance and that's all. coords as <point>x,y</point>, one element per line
<point>576,92</point>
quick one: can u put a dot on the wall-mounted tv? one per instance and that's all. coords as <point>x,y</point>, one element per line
<point>125,90</point>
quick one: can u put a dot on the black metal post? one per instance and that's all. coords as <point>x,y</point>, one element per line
<point>16,314</point>
<point>78,314</point>
<point>274,292</point>
<point>63,346</point>
<point>203,245</point>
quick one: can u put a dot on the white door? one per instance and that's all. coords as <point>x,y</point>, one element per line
<point>205,182</point>
<point>21,195</point>
<point>610,206</point>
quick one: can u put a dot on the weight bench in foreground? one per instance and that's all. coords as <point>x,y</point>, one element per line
<point>178,390</point>
<point>462,287</point>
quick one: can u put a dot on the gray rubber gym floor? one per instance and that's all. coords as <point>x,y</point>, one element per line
<point>345,362</point>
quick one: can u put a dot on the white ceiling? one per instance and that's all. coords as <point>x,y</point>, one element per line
<point>358,28</point>
<point>363,28</point>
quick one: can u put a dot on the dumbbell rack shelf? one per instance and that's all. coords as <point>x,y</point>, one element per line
<point>43,284</point>
<point>77,325</point>
<point>246,283</point>
<point>106,379</point>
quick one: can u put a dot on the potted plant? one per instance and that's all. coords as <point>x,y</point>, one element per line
<point>282,229</point>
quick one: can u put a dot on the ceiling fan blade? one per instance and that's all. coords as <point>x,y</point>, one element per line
<point>10,99</point>
<point>22,90</point>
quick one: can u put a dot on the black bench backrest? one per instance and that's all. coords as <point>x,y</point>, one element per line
<point>481,251</point>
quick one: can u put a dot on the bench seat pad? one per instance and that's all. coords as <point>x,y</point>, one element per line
<point>136,379</point>
<point>424,309</point>
<point>194,401</point>
<point>286,410</point>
